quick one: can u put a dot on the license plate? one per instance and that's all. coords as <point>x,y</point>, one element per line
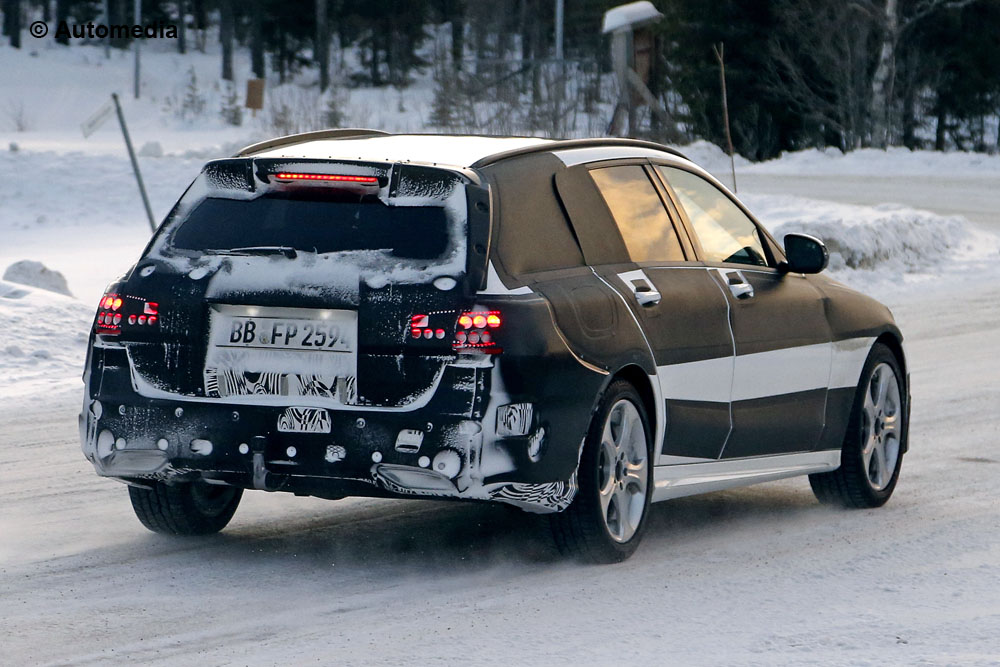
<point>261,352</point>
<point>304,420</point>
<point>334,331</point>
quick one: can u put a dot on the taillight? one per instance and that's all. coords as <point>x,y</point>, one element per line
<point>114,311</point>
<point>422,327</point>
<point>473,331</point>
<point>477,332</point>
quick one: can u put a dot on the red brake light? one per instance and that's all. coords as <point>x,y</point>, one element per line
<point>341,178</point>
<point>474,331</point>
<point>473,335</point>
<point>114,312</point>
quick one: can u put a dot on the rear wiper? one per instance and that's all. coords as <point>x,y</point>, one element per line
<point>287,251</point>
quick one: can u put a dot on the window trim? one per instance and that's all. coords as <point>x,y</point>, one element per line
<point>771,247</point>
<point>687,249</point>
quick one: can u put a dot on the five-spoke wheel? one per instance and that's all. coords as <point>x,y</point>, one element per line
<point>606,519</point>
<point>873,447</point>
<point>623,470</point>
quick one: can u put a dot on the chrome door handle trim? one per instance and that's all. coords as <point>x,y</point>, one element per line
<point>644,292</point>
<point>650,298</point>
<point>737,284</point>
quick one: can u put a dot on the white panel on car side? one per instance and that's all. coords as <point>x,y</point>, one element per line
<point>708,380</point>
<point>849,358</point>
<point>785,371</point>
<point>764,374</point>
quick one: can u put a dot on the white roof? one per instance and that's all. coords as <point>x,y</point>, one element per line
<point>453,151</point>
<point>629,16</point>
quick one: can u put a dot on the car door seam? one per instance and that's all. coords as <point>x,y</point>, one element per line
<point>732,338</point>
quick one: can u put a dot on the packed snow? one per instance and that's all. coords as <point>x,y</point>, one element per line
<point>45,340</point>
<point>886,247</point>
<point>391,582</point>
<point>36,274</point>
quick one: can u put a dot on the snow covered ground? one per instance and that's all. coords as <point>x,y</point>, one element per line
<point>756,576</point>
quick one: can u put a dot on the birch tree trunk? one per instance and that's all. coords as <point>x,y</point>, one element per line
<point>882,80</point>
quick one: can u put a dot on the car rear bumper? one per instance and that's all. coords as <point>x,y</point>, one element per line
<point>370,453</point>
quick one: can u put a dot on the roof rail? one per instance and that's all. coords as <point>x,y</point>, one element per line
<point>292,139</point>
<point>575,143</point>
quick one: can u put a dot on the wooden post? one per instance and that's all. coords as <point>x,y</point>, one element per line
<point>720,56</point>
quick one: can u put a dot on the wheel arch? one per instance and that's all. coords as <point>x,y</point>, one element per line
<point>640,379</point>
<point>894,342</point>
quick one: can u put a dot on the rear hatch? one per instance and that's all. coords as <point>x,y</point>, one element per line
<point>303,282</point>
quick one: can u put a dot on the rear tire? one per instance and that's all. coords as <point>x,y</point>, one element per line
<point>607,518</point>
<point>190,508</point>
<point>872,453</point>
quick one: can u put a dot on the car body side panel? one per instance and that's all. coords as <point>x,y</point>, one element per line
<point>856,322</point>
<point>782,369</point>
<point>688,331</point>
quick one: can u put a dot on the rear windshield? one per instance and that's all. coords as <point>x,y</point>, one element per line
<point>319,225</point>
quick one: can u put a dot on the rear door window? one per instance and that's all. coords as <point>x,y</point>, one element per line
<point>725,232</point>
<point>639,213</point>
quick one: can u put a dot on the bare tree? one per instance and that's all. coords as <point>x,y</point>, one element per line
<point>893,27</point>
<point>819,63</point>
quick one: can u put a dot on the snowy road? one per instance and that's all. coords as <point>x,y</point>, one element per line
<point>761,575</point>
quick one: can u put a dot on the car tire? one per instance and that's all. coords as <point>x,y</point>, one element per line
<point>607,517</point>
<point>872,453</point>
<point>190,508</point>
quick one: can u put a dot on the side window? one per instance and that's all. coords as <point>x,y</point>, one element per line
<point>639,214</point>
<point>725,232</point>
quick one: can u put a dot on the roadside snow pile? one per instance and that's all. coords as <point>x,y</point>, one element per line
<point>713,159</point>
<point>36,274</point>
<point>45,342</point>
<point>82,214</point>
<point>888,243</point>
<point>893,162</point>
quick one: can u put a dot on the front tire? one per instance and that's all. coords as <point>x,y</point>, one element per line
<point>190,508</point>
<point>607,518</point>
<point>873,448</point>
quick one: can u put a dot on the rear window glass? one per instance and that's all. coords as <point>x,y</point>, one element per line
<point>319,225</point>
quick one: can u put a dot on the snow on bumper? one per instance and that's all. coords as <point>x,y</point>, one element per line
<point>355,453</point>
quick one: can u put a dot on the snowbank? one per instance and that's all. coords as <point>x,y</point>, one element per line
<point>713,159</point>
<point>895,161</point>
<point>45,340</point>
<point>81,214</point>
<point>36,274</point>
<point>880,246</point>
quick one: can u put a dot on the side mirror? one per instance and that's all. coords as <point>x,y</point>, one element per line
<point>804,254</point>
